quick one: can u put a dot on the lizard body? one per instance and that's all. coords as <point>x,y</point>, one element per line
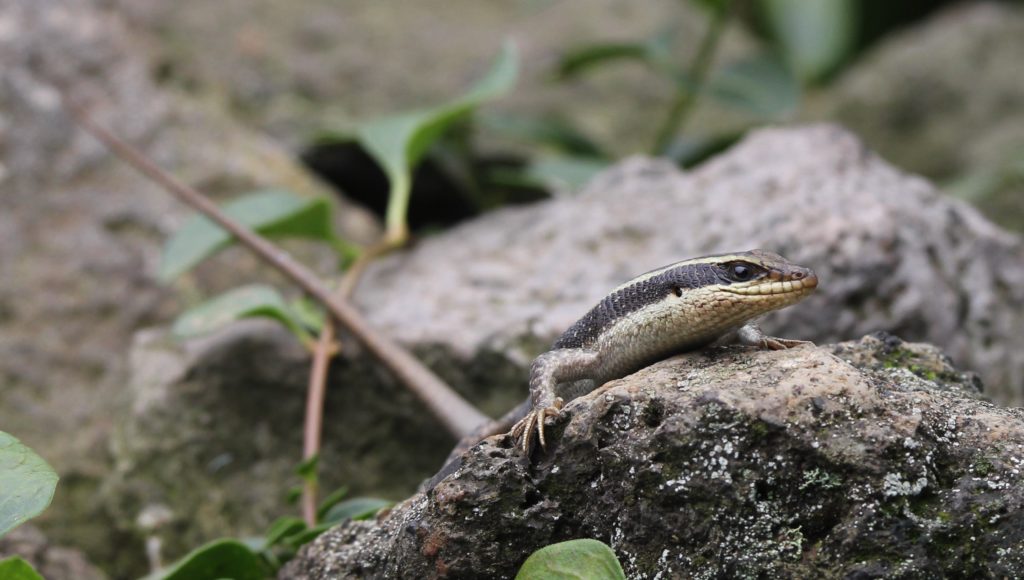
<point>678,308</point>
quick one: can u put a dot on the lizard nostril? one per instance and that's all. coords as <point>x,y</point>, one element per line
<point>798,275</point>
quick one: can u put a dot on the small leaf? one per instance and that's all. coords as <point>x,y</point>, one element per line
<point>398,142</point>
<point>573,560</point>
<point>281,528</point>
<point>252,301</point>
<point>569,173</point>
<point>760,86</point>
<point>814,37</point>
<point>307,469</point>
<point>551,131</point>
<point>654,52</point>
<point>271,213</point>
<point>27,483</point>
<point>306,536</point>
<point>689,149</point>
<point>14,568</point>
<point>309,313</point>
<point>359,508</point>
<point>330,501</point>
<point>585,58</point>
<point>219,559</point>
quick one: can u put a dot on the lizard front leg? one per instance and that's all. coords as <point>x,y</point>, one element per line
<point>752,335</point>
<point>548,371</point>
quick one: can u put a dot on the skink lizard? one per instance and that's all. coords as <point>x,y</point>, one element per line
<point>678,308</point>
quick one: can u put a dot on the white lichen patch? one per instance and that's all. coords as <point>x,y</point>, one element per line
<point>895,485</point>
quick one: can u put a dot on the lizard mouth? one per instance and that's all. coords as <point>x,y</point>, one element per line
<point>768,287</point>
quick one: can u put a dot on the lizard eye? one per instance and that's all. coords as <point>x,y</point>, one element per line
<point>741,272</point>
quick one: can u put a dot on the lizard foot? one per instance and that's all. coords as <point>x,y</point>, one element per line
<point>530,428</point>
<point>773,343</point>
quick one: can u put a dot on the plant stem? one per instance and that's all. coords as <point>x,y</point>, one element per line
<point>317,392</point>
<point>457,415</point>
<point>312,426</point>
<point>686,97</point>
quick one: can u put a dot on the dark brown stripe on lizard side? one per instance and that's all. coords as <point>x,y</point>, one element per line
<point>636,296</point>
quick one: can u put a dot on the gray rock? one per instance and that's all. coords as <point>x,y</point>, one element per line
<point>944,99</point>
<point>891,252</point>
<point>837,461</point>
<point>214,434</point>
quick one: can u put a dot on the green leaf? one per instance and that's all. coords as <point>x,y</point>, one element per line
<point>307,535</point>
<point>359,508</point>
<point>252,301</point>
<point>27,483</point>
<point>550,131</point>
<point>271,213</point>
<point>564,172</point>
<point>690,149</point>
<point>398,142</point>
<point>309,313</point>
<point>814,37</point>
<point>307,469</point>
<point>585,58</point>
<point>573,560</point>
<point>330,501</point>
<point>14,568</point>
<point>282,528</point>
<point>224,558</point>
<point>655,52</point>
<point>760,86</point>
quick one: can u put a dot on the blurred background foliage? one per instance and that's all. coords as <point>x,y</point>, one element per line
<point>600,81</point>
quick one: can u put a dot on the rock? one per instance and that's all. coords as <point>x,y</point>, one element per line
<point>833,461</point>
<point>943,98</point>
<point>891,252</point>
<point>214,434</point>
<point>81,233</point>
<point>53,562</point>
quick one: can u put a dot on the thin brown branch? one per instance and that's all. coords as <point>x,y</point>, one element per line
<point>455,413</point>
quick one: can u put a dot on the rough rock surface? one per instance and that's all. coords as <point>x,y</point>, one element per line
<point>944,98</point>
<point>214,433</point>
<point>80,233</point>
<point>864,459</point>
<point>891,252</point>
<point>51,561</point>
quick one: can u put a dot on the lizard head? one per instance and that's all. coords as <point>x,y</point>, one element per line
<point>764,278</point>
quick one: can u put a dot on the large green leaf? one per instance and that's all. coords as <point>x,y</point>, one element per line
<point>219,559</point>
<point>27,483</point>
<point>252,301</point>
<point>14,568</point>
<point>760,86</point>
<point>398,142</point>
<point>573,560</point>
<point>271,213</point>
<point>814,37</point>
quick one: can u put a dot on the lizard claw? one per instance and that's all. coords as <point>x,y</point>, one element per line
<point>773,343</point>
<point>530,428</point>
